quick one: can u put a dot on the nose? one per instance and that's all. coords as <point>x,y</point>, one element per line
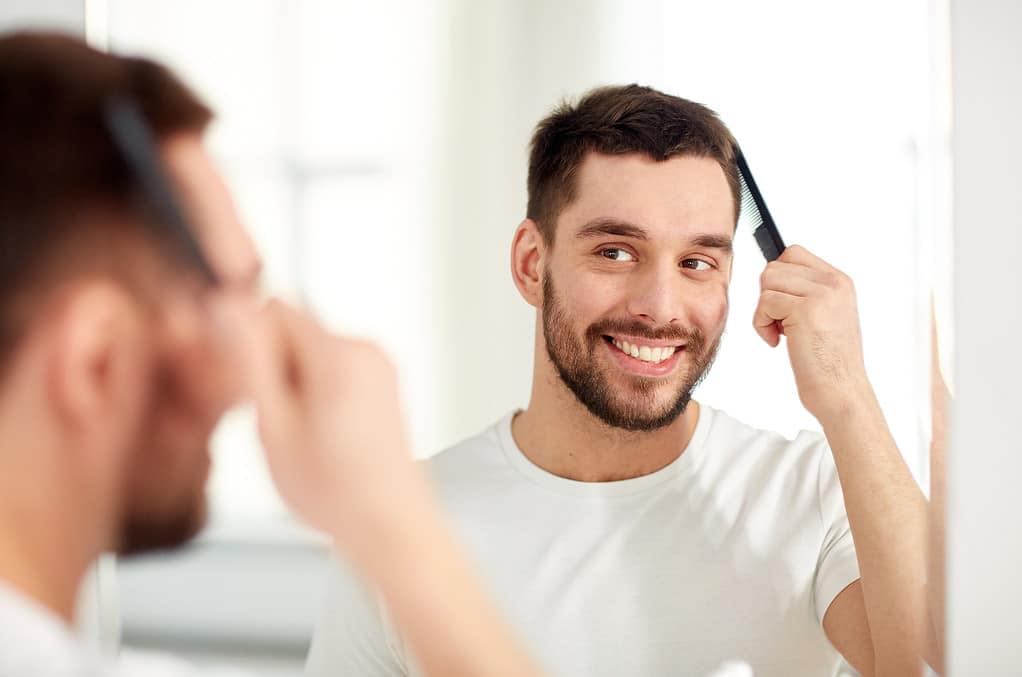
<point>656,295</point>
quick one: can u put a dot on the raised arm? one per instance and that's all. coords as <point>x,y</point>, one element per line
<point>880,622</point>
<point>330,421</point>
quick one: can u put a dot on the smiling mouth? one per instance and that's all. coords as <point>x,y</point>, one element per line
<point>644,353</point>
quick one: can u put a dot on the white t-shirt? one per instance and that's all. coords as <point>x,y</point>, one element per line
<point>733,551</point>
<point>35,642</point>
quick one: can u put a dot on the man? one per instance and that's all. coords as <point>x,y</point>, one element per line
<point>625,528</point>
<point>117,357</point>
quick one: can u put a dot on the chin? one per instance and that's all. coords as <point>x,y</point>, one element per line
<point>645,420</point>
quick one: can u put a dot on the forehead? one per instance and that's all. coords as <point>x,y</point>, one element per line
<point>682,194</point>
<point>224,240</point>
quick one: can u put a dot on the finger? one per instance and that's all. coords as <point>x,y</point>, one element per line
<point>774,309</point>
<point>791,278</point>
<point>799,255</point>
<point>306,343</point>
<point>770,333</point>
<point>281,387</point>
<point>261,353</point>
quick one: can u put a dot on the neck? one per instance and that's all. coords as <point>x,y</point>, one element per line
<point>558,434</point>
<point>39,557</point>
<point>38,567</point>
<point>47,539</point>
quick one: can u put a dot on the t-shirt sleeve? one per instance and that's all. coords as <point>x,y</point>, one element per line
<point>353,635</point>
<point>837,566</point>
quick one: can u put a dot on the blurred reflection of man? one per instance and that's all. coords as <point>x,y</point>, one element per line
<point>117,357</point>
<point>625,528</point>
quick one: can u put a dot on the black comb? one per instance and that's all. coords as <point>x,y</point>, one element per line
<point>754,209</point>
<point>135,142</point>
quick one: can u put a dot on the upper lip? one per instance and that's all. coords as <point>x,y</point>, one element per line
<point>652,343</point>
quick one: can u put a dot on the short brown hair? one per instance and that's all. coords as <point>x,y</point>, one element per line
<point>63,184</point>
<point>617,120</point>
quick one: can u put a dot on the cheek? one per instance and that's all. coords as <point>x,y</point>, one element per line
<point>710,311</point>
<point>589,298</point>
<point>173,447</point>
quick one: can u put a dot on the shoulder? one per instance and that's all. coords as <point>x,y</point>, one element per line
<point>743,458</point>
<point>472,460</point>
<point>738,441</point>
<point>354,634</point>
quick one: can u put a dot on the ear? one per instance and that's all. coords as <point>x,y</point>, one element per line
<point>95,373</point>
<point>528,257</point>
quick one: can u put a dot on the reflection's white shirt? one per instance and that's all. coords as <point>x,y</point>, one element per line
<point>35,642</point>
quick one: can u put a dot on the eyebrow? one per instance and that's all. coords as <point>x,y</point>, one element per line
<point>604,226</point>
<point>607,226</point>
<point>721,242</point>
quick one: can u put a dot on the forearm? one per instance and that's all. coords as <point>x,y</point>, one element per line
<point>888,516</point>
<point>940,400</point>
<point>434,596</point>
<point>935,585</point>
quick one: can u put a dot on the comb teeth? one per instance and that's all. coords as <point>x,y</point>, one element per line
<point>756,213</point>
<point>748,211</point>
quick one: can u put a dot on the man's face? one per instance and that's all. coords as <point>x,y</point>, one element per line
<point>635,286</point>
<point>192,380</point>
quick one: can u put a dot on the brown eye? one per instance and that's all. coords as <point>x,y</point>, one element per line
<point>696,264</point>
<point>616,254</point>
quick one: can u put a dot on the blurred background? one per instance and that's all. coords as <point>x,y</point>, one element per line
<point>377,151</point>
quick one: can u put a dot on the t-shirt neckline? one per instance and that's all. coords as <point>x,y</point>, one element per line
<point>677,468</point>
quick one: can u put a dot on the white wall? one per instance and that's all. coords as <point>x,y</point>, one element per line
<point>985,464</point>
<point>65,15</point>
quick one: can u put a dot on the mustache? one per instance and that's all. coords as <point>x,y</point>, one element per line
<point>671,332</point>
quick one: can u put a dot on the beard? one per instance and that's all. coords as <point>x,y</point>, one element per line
<point>141,532</point>
<point>165,504</point>
<point>164,492</point>
<point>634,407</point>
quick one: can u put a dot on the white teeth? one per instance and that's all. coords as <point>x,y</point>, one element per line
<point>644,353</point>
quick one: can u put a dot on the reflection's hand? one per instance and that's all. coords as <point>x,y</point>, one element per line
<point>815,304</point>
<point>331,424</point>
<point>330,421</point>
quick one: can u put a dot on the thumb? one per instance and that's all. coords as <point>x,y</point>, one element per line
<point>768,328</point>
<point>264,357</point>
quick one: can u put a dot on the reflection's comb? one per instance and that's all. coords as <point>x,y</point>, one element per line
<point>754,209</point>
<point>136,145</point>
